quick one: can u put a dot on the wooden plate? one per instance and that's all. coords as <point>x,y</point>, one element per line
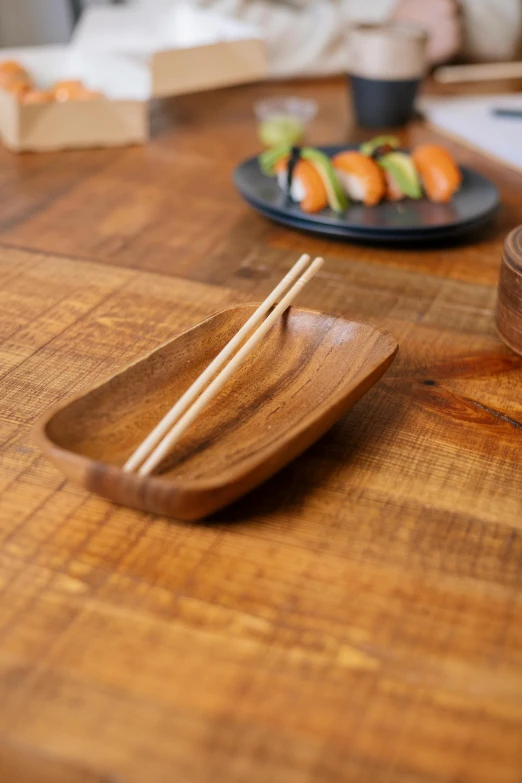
<point>309,370</point>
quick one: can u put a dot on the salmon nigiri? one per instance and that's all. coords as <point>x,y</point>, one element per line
<point>402,178</point>
<point>439,173</point>
<point>307,175</point>
<point>307,187</point>
<point>360,177</point>
<point>393,191</point>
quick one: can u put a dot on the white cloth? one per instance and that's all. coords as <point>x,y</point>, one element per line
<point>307,37</point>
<point>492,29</point>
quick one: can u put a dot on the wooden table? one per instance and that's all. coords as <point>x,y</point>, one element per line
<point>358,619</point>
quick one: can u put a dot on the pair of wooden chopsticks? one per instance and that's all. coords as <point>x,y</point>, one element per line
<point>160,441</point>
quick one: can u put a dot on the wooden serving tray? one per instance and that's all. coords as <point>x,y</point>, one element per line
<point>306,373</point>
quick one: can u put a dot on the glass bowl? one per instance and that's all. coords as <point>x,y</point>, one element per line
<point>283,120</point>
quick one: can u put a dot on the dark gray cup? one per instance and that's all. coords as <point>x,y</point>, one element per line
<point>387,63</point>
<point>383,103</point>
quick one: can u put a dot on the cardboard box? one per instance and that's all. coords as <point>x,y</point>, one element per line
<point>131,55</point>
<point>118,117</point>
<point>178,48</point>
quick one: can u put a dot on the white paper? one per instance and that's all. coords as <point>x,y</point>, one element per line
<point>143,32</point>
<point>127,30</point>
<point>170,46</point>
<point>472,120</point>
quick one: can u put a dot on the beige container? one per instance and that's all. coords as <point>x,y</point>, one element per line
<point>179,49</point>
<point>180,71</point>
<point>117,118</point>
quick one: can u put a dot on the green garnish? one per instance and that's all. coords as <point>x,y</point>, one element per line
<point>369,147</point>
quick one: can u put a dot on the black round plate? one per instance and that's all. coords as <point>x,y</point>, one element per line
<point>383,237</point>
<point>402,221</point>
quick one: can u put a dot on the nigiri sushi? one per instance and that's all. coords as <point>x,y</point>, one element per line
<point>393,191</point>
<point>306,184</point>
<point>360,177</point>
<point>439,173</point>
<point>401,176</point>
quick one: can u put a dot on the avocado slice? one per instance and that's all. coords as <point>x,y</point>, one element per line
<point>269,159</point>
<point>336,197</point>
<point>402,169</point>
<point>369,147</point>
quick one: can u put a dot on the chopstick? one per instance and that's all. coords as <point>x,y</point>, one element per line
<point>173,435</point>
<point>451,74</point>
<point>155,436</point>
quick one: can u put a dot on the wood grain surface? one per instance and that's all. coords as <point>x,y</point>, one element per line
<point>358,618</point>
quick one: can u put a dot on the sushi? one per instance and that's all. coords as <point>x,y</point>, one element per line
<point>306,186</point>
<point>378,170</point>
<point>401,176</point>
<point>440,175</point>
<point>360,177</point>
<point>307,176</point>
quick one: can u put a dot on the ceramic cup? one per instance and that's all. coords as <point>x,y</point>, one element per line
<point>509,301</point>
<point>386,65</point>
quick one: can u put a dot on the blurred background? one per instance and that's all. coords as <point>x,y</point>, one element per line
<point>41,21</point>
